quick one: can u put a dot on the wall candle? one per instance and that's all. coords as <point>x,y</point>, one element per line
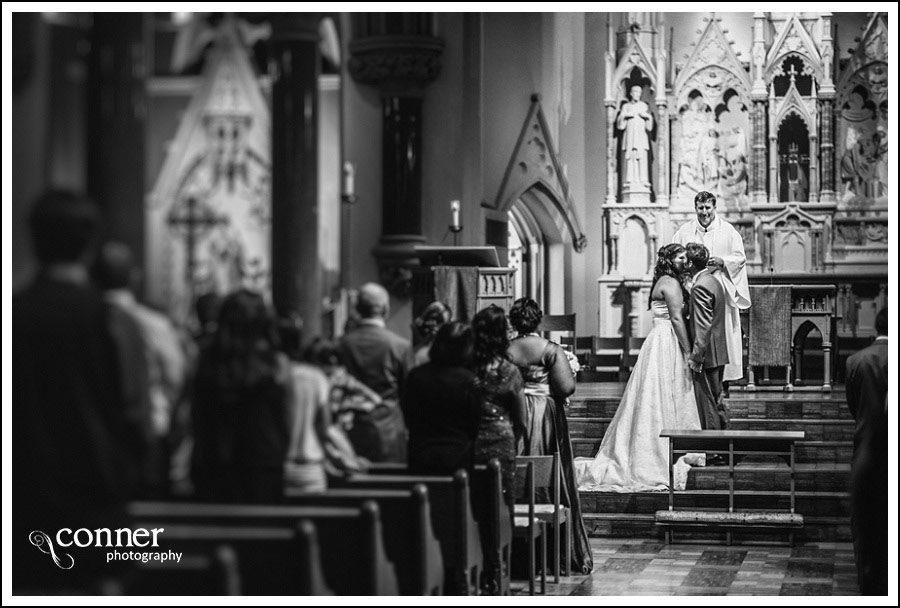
<point>454,207</point>
<point>349,175</point>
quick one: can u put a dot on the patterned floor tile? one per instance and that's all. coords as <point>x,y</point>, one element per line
<point>623,565</point>
<point>706,577</point>
<point>810,569</point>
<point>722,558</point>
<point>805,589</point>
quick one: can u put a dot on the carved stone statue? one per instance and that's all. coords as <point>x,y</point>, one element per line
<point>635,121</point>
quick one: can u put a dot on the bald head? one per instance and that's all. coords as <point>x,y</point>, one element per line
<point>114,267</point>
<point>373,301</point>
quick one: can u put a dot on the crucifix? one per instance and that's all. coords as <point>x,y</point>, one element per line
<point>194,219</point>
<point>792,72</point>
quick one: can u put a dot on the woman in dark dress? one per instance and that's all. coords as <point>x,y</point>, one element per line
<point>442,406</point>
<point>500,383</point>
<point>548,383</point>
<point>502,414</point>
<point>239,406</point>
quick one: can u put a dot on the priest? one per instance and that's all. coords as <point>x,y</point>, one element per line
<point>726,254</point>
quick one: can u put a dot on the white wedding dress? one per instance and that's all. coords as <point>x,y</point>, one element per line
<point>659,395</point>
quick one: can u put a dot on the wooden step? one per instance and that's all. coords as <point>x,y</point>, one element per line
<point>743,405</point>
<point>832,504</point>
<point>812,477</point>
<point>630,525</point>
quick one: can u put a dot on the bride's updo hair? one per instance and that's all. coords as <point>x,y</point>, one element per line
<point>665,266</point>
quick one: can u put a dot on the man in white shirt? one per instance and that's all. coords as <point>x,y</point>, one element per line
<point>726,254</point>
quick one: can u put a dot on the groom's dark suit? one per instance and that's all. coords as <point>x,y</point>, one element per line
<point>710,349</point>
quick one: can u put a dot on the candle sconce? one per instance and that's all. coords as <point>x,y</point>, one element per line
<point>455,229</point>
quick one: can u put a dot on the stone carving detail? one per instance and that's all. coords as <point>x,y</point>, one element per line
<point>375,68</point>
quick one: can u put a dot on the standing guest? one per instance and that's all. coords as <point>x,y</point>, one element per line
<point>166,362</point>
<point>308,421</point>
<point>380,359</point>
<point>726,254</point>
<point>240,406</point>
<point>77,448</point>
<point>867,376</point>
<point>548,384</point>
<point>442,405</point>
<point>502,389</point>
<point>427,324</point>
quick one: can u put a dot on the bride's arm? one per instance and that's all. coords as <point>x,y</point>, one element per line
<point>671,291</point>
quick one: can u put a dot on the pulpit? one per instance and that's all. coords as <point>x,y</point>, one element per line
<point>467,279</point>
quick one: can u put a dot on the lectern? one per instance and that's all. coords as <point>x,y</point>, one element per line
<point>465,278</point>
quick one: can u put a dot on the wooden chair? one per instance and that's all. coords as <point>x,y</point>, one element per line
<point>454,523</point>
<point>548,475</point>
<point>347,533</point>
<point>494,520</point>
<point>409,539</point>
<point>551,324</point>
<point>529,526</point>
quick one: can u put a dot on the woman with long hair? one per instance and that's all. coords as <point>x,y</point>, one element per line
<point>240,406</point>
<point>548,384</point>
<point>659,395</point>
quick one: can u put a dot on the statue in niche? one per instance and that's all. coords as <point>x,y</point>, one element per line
<point>857,164</point>
<point>734,147</point>
<point>880,152</point>
<point>696,118</point>
<point>798,186</point>
<point>635,121</point>
<point>708,157</point>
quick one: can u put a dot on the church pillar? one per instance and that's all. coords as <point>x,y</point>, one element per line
<point>774,187</point>
<point>296,272</point>
<point>813,169</point>
<point>400,56</point>
<point>116,107</point>
<point>827,150</point>
<point>612,174</point>
<point>758,174</point>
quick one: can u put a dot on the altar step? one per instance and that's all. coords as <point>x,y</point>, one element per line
<point>817,429</point>
<point>815,530</point>
<point>822,479</point>
<point>807,451</point>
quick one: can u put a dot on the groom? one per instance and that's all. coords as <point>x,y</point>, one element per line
<point>710,352</point>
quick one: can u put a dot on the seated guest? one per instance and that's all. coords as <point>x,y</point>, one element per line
<point>427,324</point>
<point>309,418</point>
<point>380,359</point>
<point>442,406</point>
<point>240,406</point>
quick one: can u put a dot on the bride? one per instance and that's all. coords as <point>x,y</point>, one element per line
<point>659,395</point>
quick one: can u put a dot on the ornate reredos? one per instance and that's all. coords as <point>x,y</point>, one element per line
<point>794,41</point>
<point>792,216</point>
<point>868,64</point>
<point>712,69</point>
<point>634,57</point>
<point>794,103</point>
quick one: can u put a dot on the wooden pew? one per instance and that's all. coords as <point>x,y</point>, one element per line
<point>408,531</point>
<point>454,524</point>
<point>353,560</point>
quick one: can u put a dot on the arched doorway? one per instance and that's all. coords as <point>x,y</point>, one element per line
<point>536,249</point>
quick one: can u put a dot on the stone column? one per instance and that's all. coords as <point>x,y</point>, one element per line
<point>774,186</point>
<point>827,150</point>
<point>758,171</point>
<point>400,58</point>
<point>116,117</point>
<point>296,273</point>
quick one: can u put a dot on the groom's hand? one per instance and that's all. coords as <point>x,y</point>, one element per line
<point>695,367</point>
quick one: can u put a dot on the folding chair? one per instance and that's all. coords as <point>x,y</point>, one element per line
<point>529,526</point>
<point>548,474</point>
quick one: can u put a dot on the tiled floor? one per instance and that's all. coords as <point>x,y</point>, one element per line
<point>646,567</point>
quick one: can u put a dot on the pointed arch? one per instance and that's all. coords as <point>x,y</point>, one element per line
<point>535,168</point>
